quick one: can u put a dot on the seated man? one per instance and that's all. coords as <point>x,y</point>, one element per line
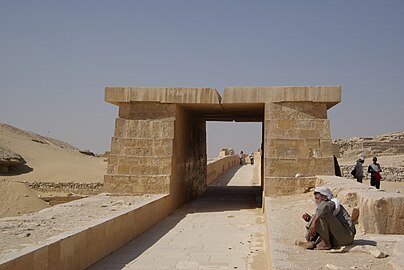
<point>324,230</point>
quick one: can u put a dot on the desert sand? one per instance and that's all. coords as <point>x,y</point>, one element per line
<point>47,160</point>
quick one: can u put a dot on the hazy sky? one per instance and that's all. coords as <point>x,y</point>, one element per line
<point>56,57</point>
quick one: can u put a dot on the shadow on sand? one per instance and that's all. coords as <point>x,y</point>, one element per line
<point>21,169</point>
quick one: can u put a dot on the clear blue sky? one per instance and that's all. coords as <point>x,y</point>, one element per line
<point>56,57</point>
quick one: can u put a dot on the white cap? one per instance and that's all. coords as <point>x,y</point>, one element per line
<point>324,191</point>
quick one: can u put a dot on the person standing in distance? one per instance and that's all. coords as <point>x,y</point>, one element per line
<point>374,169</point>
<point>359,169</point>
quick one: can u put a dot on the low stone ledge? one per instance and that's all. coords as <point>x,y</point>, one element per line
<point>380,212</point>
<point>219,166</point>
<point>84,246</point>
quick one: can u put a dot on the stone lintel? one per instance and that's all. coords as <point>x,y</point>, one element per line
<point>331,95</point>
<point>117,95</point>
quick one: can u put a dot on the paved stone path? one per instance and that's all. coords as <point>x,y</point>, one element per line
<point>223,229</point>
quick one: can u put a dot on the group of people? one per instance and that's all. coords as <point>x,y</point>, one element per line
<point>251,157</point>
<point>374,169</point>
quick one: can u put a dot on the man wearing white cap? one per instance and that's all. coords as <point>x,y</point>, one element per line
<point>324,230</point>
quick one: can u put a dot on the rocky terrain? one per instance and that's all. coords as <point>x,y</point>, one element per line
<point>388,148</point>
<point>9,160</point>
<point>391,144</point>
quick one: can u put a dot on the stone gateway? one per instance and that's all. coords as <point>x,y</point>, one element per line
<point>159,144</point>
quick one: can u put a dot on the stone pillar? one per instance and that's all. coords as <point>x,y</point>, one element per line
<point>141,149</point>
<point>297,142</point>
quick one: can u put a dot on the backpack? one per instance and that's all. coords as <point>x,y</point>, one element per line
<point>353,172</point>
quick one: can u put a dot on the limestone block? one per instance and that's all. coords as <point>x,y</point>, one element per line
<point>24,261</point>
<point>328,167</point>
<point>53,254</point>
<point>286,148</point>
<point>295,110</point>
<point>67,247</point>
<point>329,95</point>
<point>154,129</point>
<point>308,124</point>
<point>382,214</point>
<point>95,235</point>
<point>272,131</point>
<point>308,134</point>
<point>277,186</point>
<point>141,147</point>
<point>286,124</point>
<point>277,111</point>
<point>118,95</point>
<point>326,148</point>
<point>41,258</point>
<point>149,110</point>
<point>79,241</point>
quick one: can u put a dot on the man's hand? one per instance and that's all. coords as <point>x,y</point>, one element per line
<point>306,217</point>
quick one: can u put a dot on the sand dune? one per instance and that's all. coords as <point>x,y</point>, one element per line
<point>47,160</point>
<point>50,160</point>
<point>18,199</point>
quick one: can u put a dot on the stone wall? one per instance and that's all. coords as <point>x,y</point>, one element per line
<point>393,174</point>
<point>141,150</point>
<point>189,175</point>
<point>219,166</point>
<point>297,142</point>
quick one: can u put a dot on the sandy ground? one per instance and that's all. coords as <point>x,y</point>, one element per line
<point>50,162</point>
<point>18,199</point>
<point>286,226</point>
<point>47,160</point>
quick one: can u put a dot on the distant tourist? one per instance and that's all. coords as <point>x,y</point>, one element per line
<point>241,156</point>
<point>336,167</point>
<point>325,230</point>
<point>374,169</point>
<point>252,158</point>
<point>359,169</point>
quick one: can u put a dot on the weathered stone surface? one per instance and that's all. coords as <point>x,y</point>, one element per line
<point>119,95</point>
<point>329,95</point>
<point>9,160</point>
<point>277,186</point>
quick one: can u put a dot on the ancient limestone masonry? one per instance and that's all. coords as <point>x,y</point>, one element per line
<point>159,145</point>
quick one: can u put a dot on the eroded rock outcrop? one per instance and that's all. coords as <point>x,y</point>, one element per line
<point>9,160</point>
<point>386,144</point>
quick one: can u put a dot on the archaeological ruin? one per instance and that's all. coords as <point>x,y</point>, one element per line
<point>159,145</point>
